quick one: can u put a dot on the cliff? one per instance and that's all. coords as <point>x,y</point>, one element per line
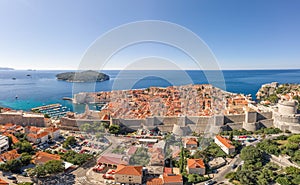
<point>84,76</point>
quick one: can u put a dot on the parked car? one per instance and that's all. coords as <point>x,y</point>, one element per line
<point>210,182</point>
<point>11,177</point>
<point>233,166</point>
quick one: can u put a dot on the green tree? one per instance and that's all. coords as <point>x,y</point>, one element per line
<point>39,171</point>
<point>25,183</point>
<point>98,127</point>
<point>231,136</point>
<point>114,129</point>
<point>25,159</point>
<point>69,141</point>
<point>294,138</point>
<point>9,142</point>
<point>296,179</point>
<point>181,160</point>
<point>54,166</point>
<point>251,155</point>
<point>24,147</point>
<point>46,116</point>
<point>86,127</point>
<point>296,157</point>
<point>105,124</point>
<point>140,157</point>
<point>273,98</point>
<point>14,165</point>
<point>283,181</point>
<point>75,158</point>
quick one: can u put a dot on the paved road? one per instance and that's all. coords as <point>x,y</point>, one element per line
<point>83,174</point>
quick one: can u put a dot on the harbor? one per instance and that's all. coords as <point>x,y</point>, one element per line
<point>52,110</point>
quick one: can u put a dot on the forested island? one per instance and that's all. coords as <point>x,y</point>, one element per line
<point>6,68</point>
<point>84,76</point>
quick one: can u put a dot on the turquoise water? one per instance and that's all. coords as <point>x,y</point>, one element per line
<point>36,88</point>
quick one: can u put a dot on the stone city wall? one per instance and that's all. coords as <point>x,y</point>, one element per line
<point>19,119</point>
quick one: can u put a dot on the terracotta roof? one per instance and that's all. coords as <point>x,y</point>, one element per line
<point>155,181</point>
<point>36,136</point>
<point>226,142</point>
<point>195,163</point>
<point>172,178</point>
<point>14,138</point>
<point>34,129</point>
<point>10,155</point>
<point>168,170</point>
<point>3,182</point>
<point>129,170</point>
<point>51,129</point>
<point>43,157</point>
<point>18,127</point>
<point>191,141</point>
<point>43,134</point>
<point>112,159</point>
<point>9,125</point>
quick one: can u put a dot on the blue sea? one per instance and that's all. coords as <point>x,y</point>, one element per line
<point>40,87</point>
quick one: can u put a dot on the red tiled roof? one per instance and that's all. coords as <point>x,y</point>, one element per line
<point>34,129</point>
<point>129,170</point>
<point>225,141</point>
<point>191,141</point>
<point>43,157</point>
<point>37,136</point>
<point>195,163</point>
<point>112,159</point>
<point>172,178</point>
<point>9,125</point>
<point>155,181</point>
<point>51,129</point>
<point>168,170</point>
<point>10,155</point>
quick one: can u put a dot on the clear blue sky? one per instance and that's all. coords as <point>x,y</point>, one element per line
<point>54,34</point>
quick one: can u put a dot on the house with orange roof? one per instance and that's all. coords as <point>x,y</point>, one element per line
<point>43,157</point>
<point>225,144</point>
<point>54,132</point>
<point>195,166</point>
<point>10,155</point>
<point>190,143</point>
<point>32,129</point>
<point>38,138</point>
<point>3,182</point>
<point>129,174</point>
<point>155,181</point>
<point>172,179</point>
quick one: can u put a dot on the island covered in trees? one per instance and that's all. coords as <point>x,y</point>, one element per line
<point>83,76</point>
<point>6,68</point>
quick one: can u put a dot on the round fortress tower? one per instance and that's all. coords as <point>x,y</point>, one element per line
<point>287,107</point>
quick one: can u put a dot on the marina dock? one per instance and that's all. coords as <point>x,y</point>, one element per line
<point>53,110</point>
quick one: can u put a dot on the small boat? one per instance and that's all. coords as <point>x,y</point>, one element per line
<point>28,75</point>
<point>14,78</point>
<point>67,98</point>
<point>16,97</point>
